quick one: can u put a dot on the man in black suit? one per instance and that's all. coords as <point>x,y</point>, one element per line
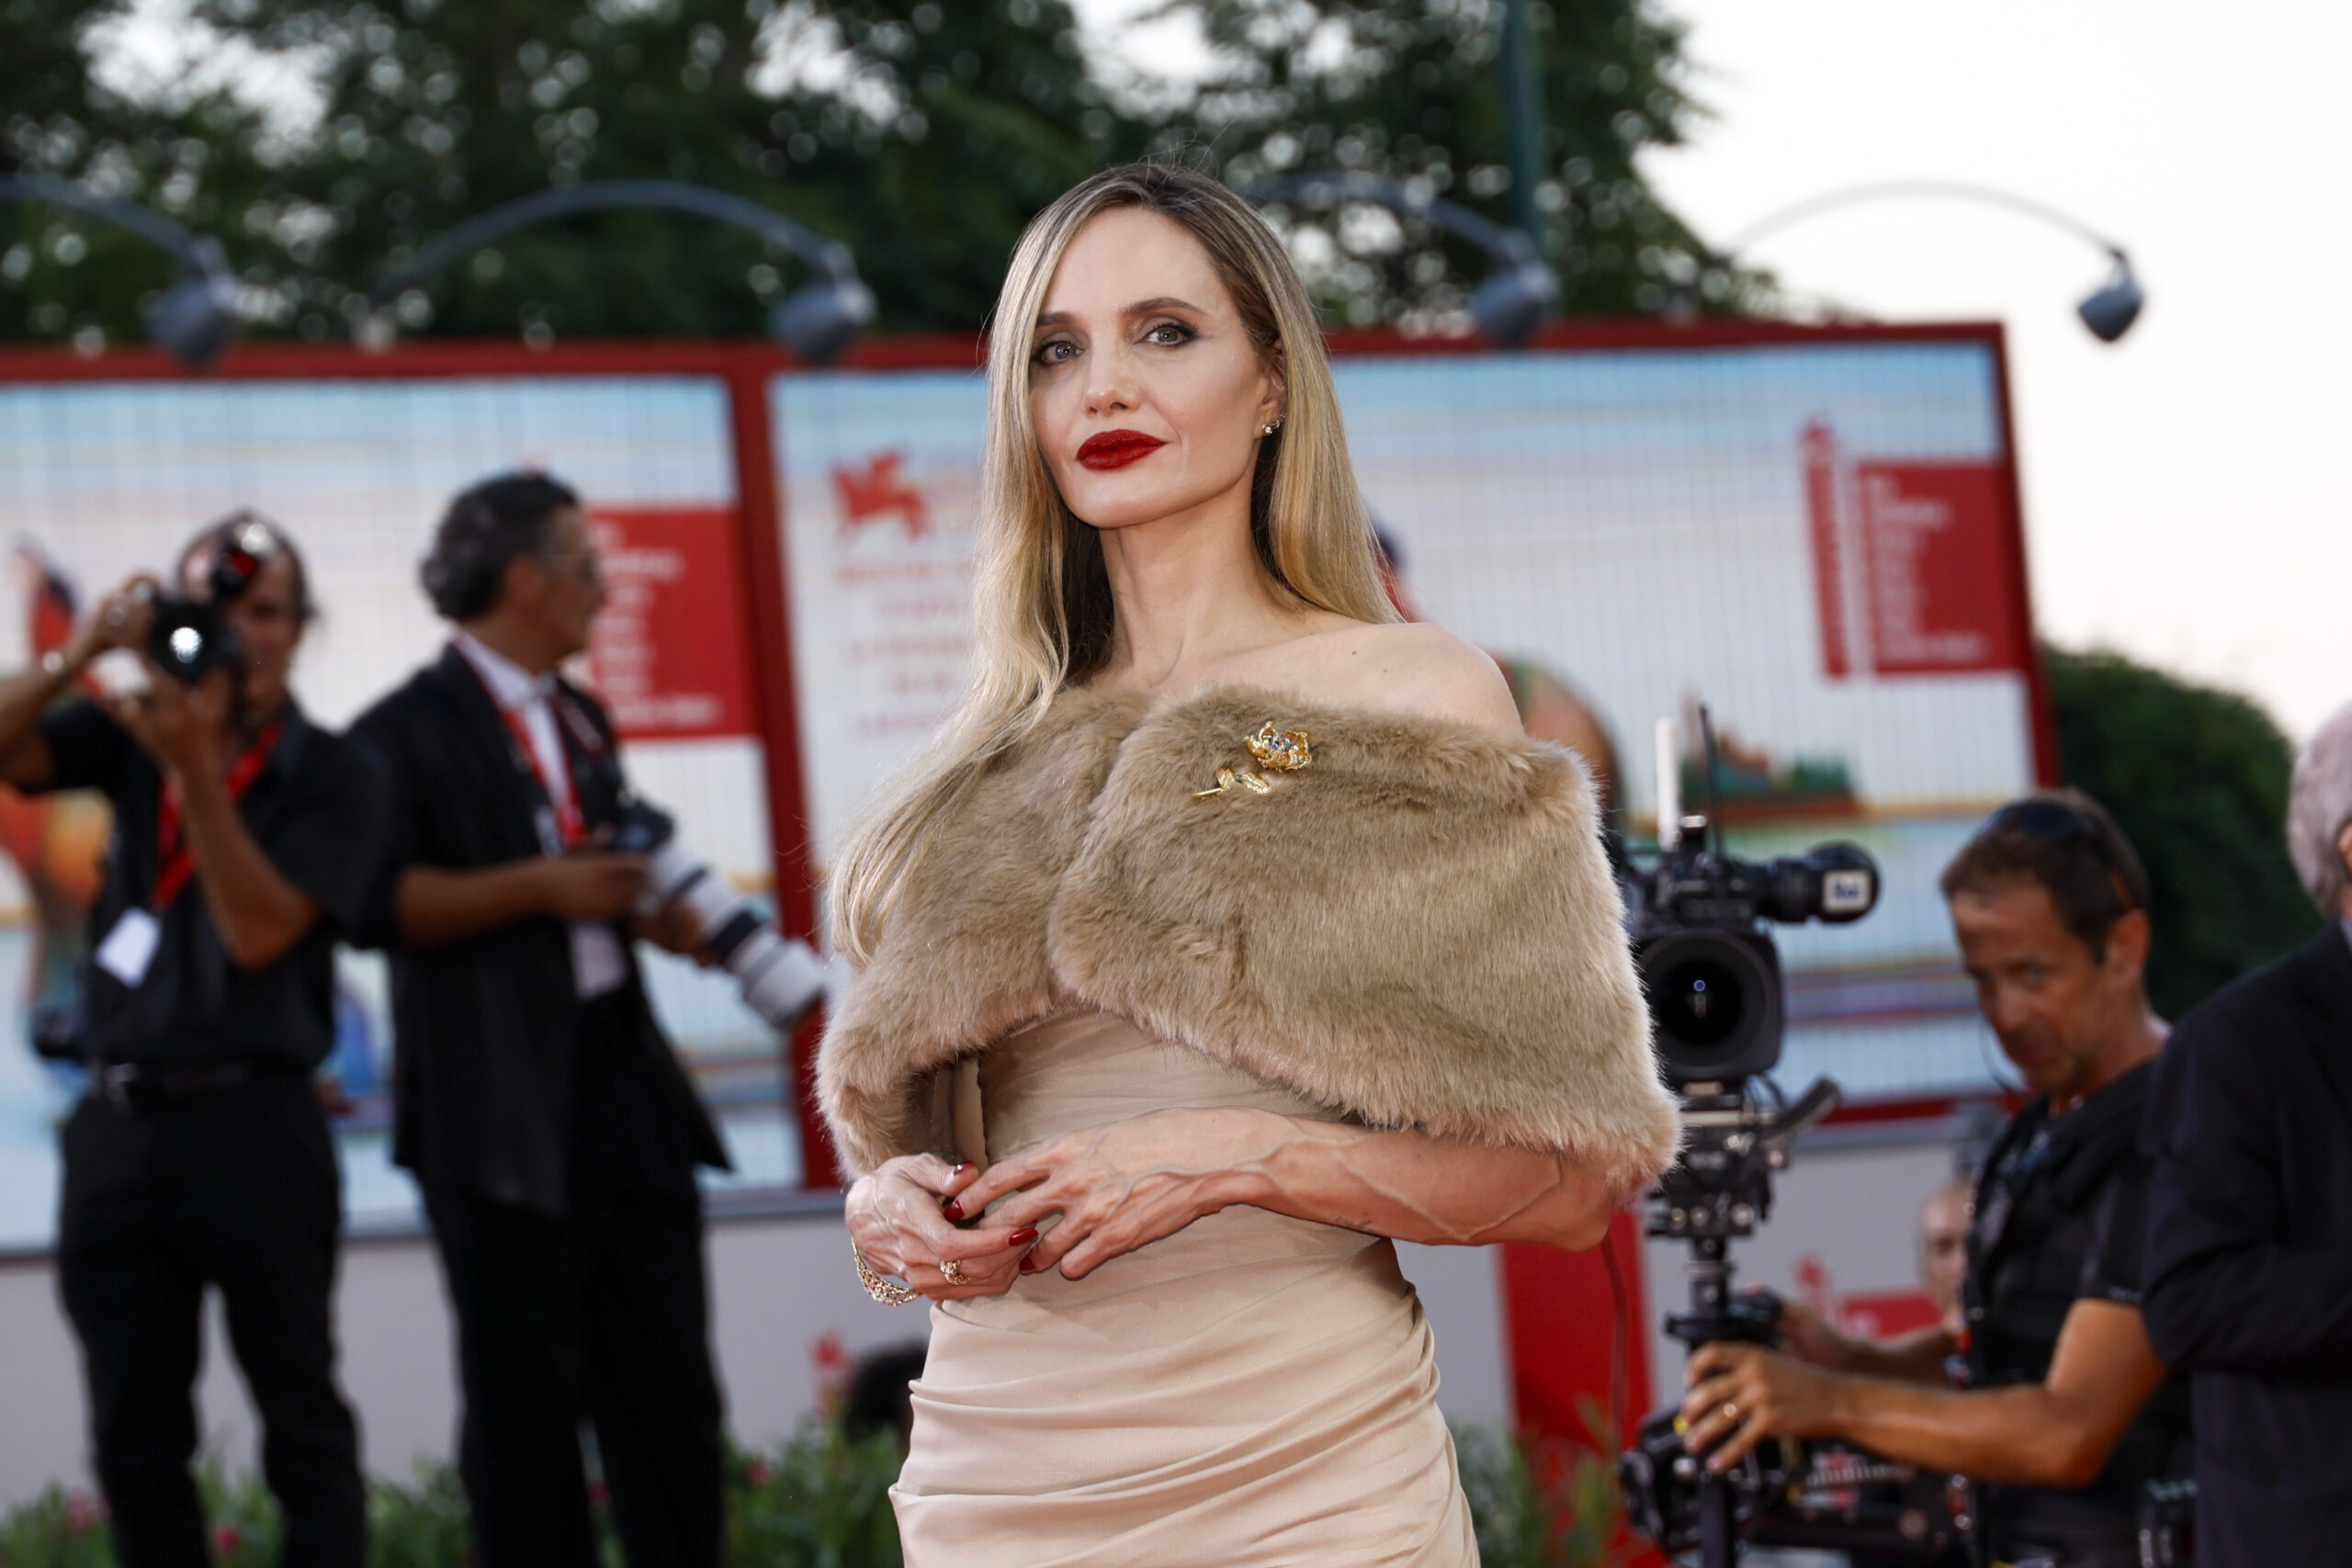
<point>2250,1216</point>
<point>550,1126</point>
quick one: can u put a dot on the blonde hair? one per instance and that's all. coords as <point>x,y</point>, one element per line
<point>1041,598</point>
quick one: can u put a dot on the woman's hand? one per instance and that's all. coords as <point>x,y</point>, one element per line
<point>902,1221</point>
<point>1124,1184</point>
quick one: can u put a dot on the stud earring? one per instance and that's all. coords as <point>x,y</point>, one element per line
<point>1272,425</point>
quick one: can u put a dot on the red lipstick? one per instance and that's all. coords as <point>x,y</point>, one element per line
<point>1116,448</point>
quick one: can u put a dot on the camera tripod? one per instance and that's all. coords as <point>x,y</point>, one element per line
<point>1718,1192</point>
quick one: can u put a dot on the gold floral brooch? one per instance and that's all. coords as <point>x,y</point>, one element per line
<point>1277,750</point>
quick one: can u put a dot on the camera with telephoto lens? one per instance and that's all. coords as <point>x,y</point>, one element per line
<point>190,637</point>
<point>779,977</point>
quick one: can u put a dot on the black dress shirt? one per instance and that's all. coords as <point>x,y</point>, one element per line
<point>490,1029</point>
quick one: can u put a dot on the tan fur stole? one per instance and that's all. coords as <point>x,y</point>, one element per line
<point>1418,929</point>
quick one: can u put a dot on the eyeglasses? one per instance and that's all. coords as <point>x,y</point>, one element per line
<point>581,564</point>
<point>2051,822</point>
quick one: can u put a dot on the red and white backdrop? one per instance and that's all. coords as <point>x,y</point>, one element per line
<point>1814,532</point>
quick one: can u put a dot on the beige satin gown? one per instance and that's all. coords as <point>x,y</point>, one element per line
<point>1252,1391</point>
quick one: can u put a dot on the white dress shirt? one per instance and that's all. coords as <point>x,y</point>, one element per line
<point>598,962</point>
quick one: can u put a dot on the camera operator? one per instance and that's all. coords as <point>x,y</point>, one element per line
<point>2049,902</point>
<point>552,1129</point>
<point>201,1155</point>
<point>2250,1216</point>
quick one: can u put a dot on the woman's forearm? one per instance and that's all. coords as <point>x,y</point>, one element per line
<point>1413,1187</point>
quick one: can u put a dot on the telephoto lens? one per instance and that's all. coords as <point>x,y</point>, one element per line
<point>779,977</point>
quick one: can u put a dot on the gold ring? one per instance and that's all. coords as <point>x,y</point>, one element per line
<point>952,1272</point>
<point>889,1293</point>
<point>1731,1410</point>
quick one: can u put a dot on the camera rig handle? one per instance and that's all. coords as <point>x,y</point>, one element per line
<point>1718,1191</point>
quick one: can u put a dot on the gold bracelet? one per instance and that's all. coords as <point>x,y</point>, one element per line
<point>888,1293</point>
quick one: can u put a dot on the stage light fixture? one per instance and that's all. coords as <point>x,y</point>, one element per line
<point>196,318</point>
<point>2108,312</point>
<point>821,321</point>
<point>1517,291</point>
<point>818,322</point>
<point>2111,311</point>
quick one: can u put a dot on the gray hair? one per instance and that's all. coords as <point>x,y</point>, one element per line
<point>2319,807</point>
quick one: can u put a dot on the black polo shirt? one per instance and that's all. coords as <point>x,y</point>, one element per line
<point>316,809</point>
<point>2059,1219</point>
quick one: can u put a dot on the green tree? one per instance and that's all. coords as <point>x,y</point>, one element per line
<point>1412,90</point>
<point>922,134</point>
<point>186,155</point>
<point>2197,779</point>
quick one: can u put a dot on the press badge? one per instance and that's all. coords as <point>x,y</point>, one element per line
<point>130,948</point>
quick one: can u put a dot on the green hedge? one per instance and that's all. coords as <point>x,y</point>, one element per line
<point>821,1501</point>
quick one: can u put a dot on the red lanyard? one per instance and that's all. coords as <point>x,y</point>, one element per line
<point>178,859</point>
<point>569,825</point>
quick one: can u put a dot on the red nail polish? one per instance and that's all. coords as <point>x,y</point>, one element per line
<point>952,1209</point>
<point>1022,1236</point>
<point>1030,1266</point>
<point>962,1165</point>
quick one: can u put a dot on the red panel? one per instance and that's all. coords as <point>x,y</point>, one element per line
<point>1830,565</point>
<point>1564,1331</point>
<point>1933,551</point>
<point>425,358</point>
<point>761,514</point>
<point>2020,592</point>
<point>670,653</point>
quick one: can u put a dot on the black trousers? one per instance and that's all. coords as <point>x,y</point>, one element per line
<point>239,1189</point>
<point>601,1317</point>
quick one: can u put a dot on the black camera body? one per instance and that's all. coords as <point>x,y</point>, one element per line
<point>1816,1494</point>
<point>190,638</point>
<point>1709,967</point>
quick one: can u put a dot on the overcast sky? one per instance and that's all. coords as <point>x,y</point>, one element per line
<point>2185,489</point>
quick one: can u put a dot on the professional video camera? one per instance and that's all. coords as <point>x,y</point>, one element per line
<point>779,978</point>
<point>190,637</point>
<point>1699,920</point>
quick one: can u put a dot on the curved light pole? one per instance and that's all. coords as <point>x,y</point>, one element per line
<point>197,317</point>
<point>1509,305</point>
<point>818,320</point>
<point>2108,311</point>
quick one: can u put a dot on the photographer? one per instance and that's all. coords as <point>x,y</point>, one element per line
<point>2250,1215</point>
<point>201,1155</point>
<point>552,1129</point>
<point>2049,902</point>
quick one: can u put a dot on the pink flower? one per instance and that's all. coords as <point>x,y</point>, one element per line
<point>759,1475</point>
<point>83,1513</point>
<point>226,1539</point>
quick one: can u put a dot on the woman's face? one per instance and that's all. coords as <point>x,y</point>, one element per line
<point>1148,398</point>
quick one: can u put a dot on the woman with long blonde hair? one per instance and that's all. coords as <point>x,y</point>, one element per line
<point>1230,929</point>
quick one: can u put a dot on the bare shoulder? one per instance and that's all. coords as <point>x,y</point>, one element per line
<point>1415,668</point>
